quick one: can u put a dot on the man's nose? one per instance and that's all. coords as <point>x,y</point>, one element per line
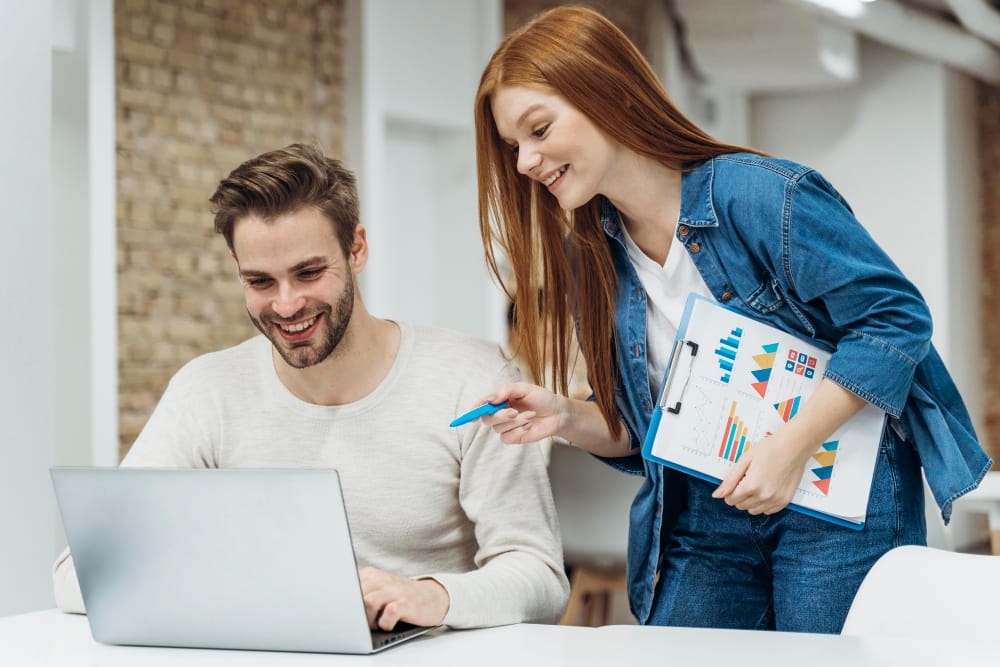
<point>287,302</point>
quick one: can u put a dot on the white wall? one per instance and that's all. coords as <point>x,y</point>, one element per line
<point>412,71</point>
<point>57,218</point>
<point>29,375</point>
<point>900,146</point>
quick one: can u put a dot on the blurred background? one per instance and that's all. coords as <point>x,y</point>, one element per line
<point>117,120</point>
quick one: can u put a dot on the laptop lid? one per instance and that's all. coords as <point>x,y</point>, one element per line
<point>208,558</point>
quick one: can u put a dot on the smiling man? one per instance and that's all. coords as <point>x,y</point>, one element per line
<point>450,525</point>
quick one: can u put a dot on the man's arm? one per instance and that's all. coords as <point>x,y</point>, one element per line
<point>504,490</point>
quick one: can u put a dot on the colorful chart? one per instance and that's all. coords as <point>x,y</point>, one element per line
<point>800,363</point>
<point>825,456</point>
<point>765,362</point>
<point>727,353</point>
<point>787,409</point>
<point>734,437</point>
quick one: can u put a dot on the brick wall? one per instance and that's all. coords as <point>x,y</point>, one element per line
<point>203,85</point>
<point>989,164</point>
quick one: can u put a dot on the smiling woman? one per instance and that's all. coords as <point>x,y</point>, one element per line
<point>612,208</point>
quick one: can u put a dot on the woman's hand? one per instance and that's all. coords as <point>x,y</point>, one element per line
<point>533,413</point>
<point>764,480</point>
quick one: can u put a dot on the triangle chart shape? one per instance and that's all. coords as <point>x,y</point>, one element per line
<point>823,485</point>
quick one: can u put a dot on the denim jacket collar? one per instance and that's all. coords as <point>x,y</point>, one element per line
<point>697,209</point>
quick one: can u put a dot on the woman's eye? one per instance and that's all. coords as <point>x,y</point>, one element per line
<point>540,132</point>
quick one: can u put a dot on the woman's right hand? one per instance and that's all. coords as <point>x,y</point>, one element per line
<point>533,413</point>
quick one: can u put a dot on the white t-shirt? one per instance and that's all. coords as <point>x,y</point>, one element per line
<point>422,499</point>
<point>667,289</point>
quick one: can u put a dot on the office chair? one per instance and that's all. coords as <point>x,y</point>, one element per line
<point>922,592</point>
<point>592,501</point>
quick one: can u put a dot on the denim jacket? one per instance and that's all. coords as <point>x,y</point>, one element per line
<point>774,240</point>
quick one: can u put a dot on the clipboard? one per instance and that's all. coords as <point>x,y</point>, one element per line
<point>732,381</point>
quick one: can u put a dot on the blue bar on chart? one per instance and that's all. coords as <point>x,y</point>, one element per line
<point>726,353</point>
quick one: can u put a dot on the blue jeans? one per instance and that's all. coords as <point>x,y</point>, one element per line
<point>724,568</point>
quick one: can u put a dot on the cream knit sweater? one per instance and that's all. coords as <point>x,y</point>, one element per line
<point>422,499</point>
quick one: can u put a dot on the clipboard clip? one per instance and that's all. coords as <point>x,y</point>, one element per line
<point>672,372</point>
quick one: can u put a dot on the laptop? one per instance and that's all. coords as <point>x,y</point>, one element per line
<point>207,558</point>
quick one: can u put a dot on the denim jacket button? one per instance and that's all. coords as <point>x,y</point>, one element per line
<point>694,248</point>
<point>726,296</point>
<point>683,230</point>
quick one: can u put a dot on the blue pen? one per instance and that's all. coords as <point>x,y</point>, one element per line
<point>484,409</point>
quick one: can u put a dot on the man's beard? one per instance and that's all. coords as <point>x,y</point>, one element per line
<point>311,352</point>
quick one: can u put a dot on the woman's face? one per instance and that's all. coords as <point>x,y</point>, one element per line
<point>554,143</point>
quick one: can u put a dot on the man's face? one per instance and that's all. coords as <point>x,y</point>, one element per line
<point>299,285</point>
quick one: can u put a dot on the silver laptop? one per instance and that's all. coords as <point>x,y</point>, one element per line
<point>234,559</point>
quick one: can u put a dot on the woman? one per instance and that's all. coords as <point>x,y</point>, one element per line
<point>613,205</point>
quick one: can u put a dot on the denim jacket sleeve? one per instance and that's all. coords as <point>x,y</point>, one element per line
<point>828,257</point>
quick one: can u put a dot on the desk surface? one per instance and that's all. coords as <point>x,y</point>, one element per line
<point>55,639</point>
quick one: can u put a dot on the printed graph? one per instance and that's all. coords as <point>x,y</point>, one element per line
<point>765,363</point>
<point>726,353</point>
<point>734,437</point>
<point>825,457</point>
<point>787,409</point>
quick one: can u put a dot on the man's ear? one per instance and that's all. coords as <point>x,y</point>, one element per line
<point>358,255</point>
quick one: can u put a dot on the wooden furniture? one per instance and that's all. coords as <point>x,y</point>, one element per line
<point>591,594</point>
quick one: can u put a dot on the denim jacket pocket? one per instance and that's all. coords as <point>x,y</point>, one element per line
<point>770,303</point>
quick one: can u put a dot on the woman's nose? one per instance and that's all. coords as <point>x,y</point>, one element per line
<point>528,160</point>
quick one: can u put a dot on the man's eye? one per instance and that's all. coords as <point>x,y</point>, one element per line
<point>540,132</point>
<point>310,274</point>
<point>258,283</point>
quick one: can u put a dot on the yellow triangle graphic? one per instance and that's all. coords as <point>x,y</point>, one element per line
<point>765,360</point>
<point>825,458</point>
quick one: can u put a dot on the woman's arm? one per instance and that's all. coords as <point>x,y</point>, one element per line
<point>766,476</point>
<point>535,413</point>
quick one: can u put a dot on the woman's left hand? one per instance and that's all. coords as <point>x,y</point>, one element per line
<point>764,480</point>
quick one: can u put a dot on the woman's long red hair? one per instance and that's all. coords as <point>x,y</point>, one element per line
<point>561,261</point>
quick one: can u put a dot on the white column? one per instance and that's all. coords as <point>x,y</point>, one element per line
<point>28,374</point>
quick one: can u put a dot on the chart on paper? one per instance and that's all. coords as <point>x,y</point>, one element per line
<point>740,382</point>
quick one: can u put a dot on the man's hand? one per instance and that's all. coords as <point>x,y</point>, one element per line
<point>390,599</point>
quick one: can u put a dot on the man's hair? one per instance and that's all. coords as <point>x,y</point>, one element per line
<point>284,181</point>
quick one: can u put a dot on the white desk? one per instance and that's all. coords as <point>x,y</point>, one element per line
<point>985,498</point>
<point>54,639</point>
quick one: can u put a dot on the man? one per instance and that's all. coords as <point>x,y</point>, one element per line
<point>450,525</point>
